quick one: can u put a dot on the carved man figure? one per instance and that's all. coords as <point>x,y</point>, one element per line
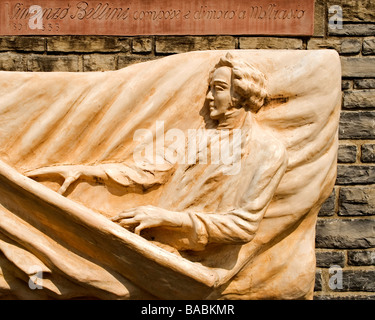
<point>200,203</point>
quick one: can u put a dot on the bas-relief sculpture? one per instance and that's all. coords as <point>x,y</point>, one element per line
<point>106,193</point>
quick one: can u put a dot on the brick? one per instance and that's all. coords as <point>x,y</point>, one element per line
<point>349,175</point>
<point>10,61</point>
<point>359,99</point>
<point>351,46</point>
<point>361,258</point>
<point>358,67</point>
<point>124,61</point>
<point>142,45</point>
<point>44,63</point>
<point>346,84</point>
<point>368,46</point>
<point>99,62</point>
<point>356,10</point>
<point>368,153</point>
<point>327,259</point>
<point>357,125</point>
<point>328,207</point>
<point>358,280</point>
<point>345,233</point>
<point>318,281</point>
<point>354,296</point>
<point>86,44</point>
<point>364,84</point>
<point>345,46</point>
<point>319,18</point>
<point>20,43</point>
<point>270,43</point>
<point>175,44</point>
<point>316,44</point>
<point>350,29</point>
<point>347,154</point>
<point>356,201</point>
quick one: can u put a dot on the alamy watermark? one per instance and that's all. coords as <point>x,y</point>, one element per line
<point>36,277</point>
<point>336,20</point>
<point>335,280</point>
<point>195,146</point>
<point>36,20</point>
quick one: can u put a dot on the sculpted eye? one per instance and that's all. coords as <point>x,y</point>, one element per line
<point>219,88</point>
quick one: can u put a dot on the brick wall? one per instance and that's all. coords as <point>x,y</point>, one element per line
<point>346,225</point>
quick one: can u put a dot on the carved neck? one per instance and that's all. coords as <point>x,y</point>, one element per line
<point>233,119</point>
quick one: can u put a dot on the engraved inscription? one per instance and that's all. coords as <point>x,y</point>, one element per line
<point>174,17</point>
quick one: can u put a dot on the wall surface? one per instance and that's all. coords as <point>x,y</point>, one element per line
<point>345,235</point>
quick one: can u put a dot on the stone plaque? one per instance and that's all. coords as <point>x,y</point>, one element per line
<point>193,176</point>
<point>157,17</point>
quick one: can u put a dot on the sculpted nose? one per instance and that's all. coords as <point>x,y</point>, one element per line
<point>210,96</point>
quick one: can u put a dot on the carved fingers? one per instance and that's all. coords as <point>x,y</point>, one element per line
<point>72,177</point>
<point>70,174</point>
<point>140,218</point>
<point>145,217</point>
<point>42,172</point>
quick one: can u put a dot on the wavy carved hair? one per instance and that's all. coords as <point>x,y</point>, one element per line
<point>248,83</point>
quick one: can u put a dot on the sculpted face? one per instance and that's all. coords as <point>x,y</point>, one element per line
<point>219,96</point>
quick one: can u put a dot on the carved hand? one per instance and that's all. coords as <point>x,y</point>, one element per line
<point>70,174</point>
<point>145,217</point>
